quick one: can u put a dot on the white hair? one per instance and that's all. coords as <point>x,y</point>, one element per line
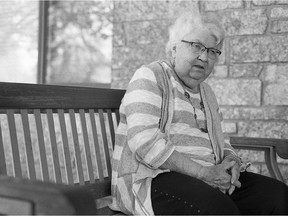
<point>192,21</point>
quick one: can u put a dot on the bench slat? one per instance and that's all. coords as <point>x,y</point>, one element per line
<point>41,145</point>
<point>76,146</point>
<point>55,154</point>
<point>111,126</point>
<point>3,169</point>
<point>28,144</point>
<point>86,145</point>
<point>117,116</point>
<point>14,143</point>
<point>65,146</point>
<point>96,144</point>
<point>105,142</point>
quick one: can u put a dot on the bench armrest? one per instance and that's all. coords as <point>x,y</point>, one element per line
<point>269,146</point>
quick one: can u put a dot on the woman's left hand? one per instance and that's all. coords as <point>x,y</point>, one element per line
<point>235,174</point>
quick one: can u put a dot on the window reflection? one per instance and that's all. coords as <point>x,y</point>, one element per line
<point>18,40</point>
<point>80,42</point>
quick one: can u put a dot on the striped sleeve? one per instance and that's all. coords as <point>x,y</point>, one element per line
<point>142,104</point>
<point>229,152</point>
<point>228,149</point>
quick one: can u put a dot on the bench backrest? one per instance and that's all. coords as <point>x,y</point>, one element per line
<point>58,133</point>
<point>66,135</point>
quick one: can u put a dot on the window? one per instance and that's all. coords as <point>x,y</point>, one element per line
<point>74,47</point>
<point>18,39</point>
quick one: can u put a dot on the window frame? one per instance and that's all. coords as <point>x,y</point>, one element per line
<point>43,30</point>
<point>43,40</point>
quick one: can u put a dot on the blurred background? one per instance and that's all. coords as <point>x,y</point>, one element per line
<point>102,43</point>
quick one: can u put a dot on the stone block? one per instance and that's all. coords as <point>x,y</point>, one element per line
<point>245,70</point>
<point>121,77</point>
<point>255,168</point>
<point>276,84</point>
<point>229,127</point>
<point>255,113</point>
<point>279,26</point>
<point>122,73</point>
<point>131,10</point>
<point>220,71</point>
<point>278,48</point>
<point>265,129</point>
<point>252,156</point>
<point>121,11</point>
<point>221,5</point>
<point>275,73</point>
<point>120,84</point>
<point>268,2</point>
<point>134,57</point>
<point>247,4</point>
<point>135,10</point>
<point>263,2</point>
<point>250,49</point>
<point>147,32</point>
<point>237,92</point>
<point>244,22</point>
<point>259,49</point>
<point>279,12</point>
<point>119,56</point>
<point>281,1</point>
<point>176,7</point>
<point>276,94</point>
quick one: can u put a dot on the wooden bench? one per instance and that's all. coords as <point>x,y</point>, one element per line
<point>65,135</point>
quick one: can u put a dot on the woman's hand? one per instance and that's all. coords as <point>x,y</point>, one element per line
<point>219,176</point>
<point>235,174</point>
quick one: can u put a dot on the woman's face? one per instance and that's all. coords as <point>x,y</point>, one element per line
<point>193,68</point>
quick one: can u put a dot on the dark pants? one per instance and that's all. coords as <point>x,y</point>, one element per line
<point>174,193</point>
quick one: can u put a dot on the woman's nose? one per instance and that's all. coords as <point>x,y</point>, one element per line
<point>203,55</point>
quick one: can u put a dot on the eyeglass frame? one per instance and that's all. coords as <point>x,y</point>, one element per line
<point>205,48</point>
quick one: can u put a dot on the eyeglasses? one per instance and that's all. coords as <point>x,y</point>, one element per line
<point>199,48</point>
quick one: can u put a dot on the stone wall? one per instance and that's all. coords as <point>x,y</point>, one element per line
<point>251,79</point>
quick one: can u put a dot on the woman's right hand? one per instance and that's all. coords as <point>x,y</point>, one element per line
<point>218,176</point>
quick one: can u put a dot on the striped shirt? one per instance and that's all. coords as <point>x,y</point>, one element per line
<point>141,148</point>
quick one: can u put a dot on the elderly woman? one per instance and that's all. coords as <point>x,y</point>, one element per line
<point>170,155</point>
